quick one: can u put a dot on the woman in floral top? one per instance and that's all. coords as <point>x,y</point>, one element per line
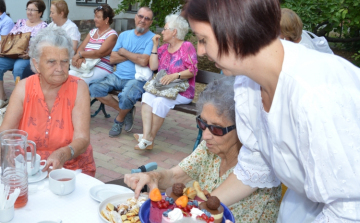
<point>178,58</point>
<point>215,158</point>
<point>21,66</point>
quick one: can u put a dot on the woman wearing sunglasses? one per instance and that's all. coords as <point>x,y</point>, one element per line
<point>215,157</point>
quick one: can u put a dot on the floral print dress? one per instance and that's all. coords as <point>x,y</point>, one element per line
<point>261,206</point>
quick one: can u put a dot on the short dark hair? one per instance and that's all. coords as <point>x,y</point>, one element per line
<point>107,11</point>
<point>39,4</point>
<point>246,26</point>
<point>2,6</point>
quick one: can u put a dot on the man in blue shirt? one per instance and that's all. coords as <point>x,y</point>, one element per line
<point>6,24</point>
<point>132,47</point>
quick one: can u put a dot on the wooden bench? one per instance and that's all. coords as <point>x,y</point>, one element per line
<point>203,77</point>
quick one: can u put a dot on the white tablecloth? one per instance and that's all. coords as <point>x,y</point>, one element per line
<point>76,207</point>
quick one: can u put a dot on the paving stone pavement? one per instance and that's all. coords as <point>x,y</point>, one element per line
<point>115,157</point>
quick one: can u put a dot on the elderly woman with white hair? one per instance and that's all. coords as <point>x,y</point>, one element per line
<point>53,106</point>
<point>178,58</point>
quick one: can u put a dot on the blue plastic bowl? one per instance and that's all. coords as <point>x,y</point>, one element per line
<point>145,213</point>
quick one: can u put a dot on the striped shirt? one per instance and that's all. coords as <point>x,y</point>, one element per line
<point>95,44</point>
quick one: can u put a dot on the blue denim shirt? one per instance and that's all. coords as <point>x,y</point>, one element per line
<point>6,24</point>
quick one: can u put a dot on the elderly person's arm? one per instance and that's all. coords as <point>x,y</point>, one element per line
<point>161,179</point>
<point>14,110</point>
<point>115,58</point>
<point>232,190</point>
<point>105,49</point>
<point>186,74</point>
<point>139,59</point>
<point>154,59</point>
<point>81,123</point>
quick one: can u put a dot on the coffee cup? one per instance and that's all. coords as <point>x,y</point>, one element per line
<point>7,214</point>
<point>62,181</point>
<point>39,164</point>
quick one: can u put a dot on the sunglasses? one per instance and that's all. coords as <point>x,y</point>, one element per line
<point>143,17</point>
<point>215,130</point>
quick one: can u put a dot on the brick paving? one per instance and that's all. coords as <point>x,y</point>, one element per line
<point>115,157</point>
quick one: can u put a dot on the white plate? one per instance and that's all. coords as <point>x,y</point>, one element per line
<point>116,200</point>
<point>39,176</point>
<point>101,192</point>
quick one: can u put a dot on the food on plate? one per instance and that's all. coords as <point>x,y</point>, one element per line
<point>155,195</point>
<point>213,206</point>
<point>187,206</point>
<point>123,213</point>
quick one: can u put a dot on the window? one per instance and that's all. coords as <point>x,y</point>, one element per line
<point>134,8</point>
<point>90,2</point>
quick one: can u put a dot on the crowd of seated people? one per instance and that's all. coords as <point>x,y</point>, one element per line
<point>241,137</point>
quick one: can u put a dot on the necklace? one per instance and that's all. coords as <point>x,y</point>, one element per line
<point>99,35</point>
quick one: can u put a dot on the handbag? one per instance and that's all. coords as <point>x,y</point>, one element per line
<point>85,69</point>
<point>13,45</point>
<point>169,91</point>
<point>143,73</point>
<point>320,43</point>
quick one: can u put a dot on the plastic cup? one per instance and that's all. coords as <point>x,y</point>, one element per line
<point>7,215</point>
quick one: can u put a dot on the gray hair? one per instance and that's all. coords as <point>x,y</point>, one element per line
<point>53,36</point>
<point>179,23</point>
<point>220,94</point>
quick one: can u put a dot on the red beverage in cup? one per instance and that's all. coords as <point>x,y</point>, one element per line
<point>21,200</point>
<point>17,179</point>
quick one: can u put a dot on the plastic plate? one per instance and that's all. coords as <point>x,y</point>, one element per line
<point>145,213</point>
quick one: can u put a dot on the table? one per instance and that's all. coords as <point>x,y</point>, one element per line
<point>45,205</point>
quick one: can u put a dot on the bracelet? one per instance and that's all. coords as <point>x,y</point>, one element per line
<point>153,53</point>
<point>80,55</point>
<point>72,151</point>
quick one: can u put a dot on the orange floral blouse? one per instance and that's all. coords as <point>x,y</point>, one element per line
<point>261,206</point>
<point>53,130</point>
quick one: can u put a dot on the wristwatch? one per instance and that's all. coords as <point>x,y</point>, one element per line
<point>72,151</point>
<point>179,75</point>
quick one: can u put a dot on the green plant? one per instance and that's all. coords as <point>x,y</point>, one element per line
<point>325,17</point>
<point>161,9</point>
<point>356,57</point>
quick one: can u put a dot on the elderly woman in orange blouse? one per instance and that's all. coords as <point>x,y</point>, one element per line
<point>53,106</point>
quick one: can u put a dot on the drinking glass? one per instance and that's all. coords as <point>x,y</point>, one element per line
<point>13,170</point>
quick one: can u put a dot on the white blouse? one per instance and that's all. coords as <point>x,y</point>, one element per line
<point>312,143</point>
<point>71,29</point>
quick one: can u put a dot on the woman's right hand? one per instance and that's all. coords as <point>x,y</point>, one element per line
<point>156,39</point>
<point>137,181</point>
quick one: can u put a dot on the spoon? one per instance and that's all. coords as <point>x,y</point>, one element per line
<point>12,198</point>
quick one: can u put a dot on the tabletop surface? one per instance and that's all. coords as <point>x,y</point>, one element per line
<point>43,205</point>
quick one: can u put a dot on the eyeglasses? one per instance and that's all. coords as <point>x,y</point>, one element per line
<point>147,19</point>
<point>215,130</point>
<point>31,10</point>
<point>167,29</point>
<point>98,8</point>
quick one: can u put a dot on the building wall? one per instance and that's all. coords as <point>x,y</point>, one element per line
<point>81,15</point>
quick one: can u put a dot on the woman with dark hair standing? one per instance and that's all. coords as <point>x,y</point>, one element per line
<point>297,111</point>
<point>21,66</point>
<point>97,44</point>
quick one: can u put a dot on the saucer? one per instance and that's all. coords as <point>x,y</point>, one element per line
<point>39,176</point>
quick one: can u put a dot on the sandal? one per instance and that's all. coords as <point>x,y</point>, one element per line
<point>138,137</point>
<point>144,144</point>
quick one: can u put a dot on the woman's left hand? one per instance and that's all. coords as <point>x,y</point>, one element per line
<point>56,160</point>
<point>24,56</point>
<point>168,78</point>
